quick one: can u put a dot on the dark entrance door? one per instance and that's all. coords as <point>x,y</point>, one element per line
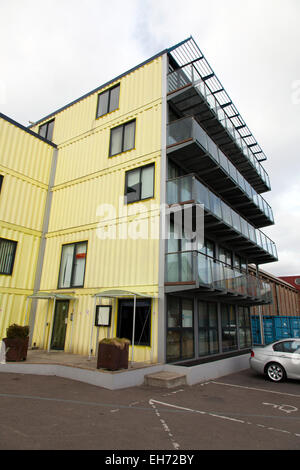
<point>142,331</point>
<point>60,324</point>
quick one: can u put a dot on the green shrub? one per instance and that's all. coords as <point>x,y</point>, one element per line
<point>17,331</point>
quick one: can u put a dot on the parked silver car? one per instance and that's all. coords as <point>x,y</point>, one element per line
<point>279,360</point>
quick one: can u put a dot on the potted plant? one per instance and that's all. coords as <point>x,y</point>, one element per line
<point>113,353</point>
<point>16,342</point>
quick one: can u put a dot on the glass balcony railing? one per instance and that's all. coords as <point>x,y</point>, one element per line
<point>189,75</point>
<point>195,267</point>
<point>189,188</point>
<point>188,128</point>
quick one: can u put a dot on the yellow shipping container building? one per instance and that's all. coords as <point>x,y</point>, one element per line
<point>84,195</point>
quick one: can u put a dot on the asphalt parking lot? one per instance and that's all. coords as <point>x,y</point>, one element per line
<point>240,411</point>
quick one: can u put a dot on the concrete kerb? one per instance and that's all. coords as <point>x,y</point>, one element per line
<point>132,377</point>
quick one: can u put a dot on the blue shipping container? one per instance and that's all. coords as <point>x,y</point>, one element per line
<point>275,328</point>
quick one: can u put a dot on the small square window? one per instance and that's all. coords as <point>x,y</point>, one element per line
<point>139,183</point>
<point>46,130</point>
<point>7,255</point>
<point>108,101</point>
<point>122,138</point>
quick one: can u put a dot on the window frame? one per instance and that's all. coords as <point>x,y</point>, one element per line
<point>123,126</point>
<point>226,311</point>
<point>15,244</point>
<point>139,304</point>
<point>281,347</point>
<point>140,168</point>
<point>47,127</point>
<point>1,181</point>
<point>208,328</point>
<point>72,286</point>
<point>179,328</point>
<point>108,91</point>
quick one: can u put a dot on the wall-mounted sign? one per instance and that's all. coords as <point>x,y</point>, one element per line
<point>103,315</point>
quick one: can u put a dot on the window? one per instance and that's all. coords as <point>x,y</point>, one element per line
<point>46,130</point>
<point>229,329</point>
<point>122,138</point>
<point>208,329</point>
<point>108,101</point>
<point>288,347</point>
<point>244,327</point>
<point>225,256</point>
<point>139,183</point>
<point>142,321</point>
<point>72,265</point>
<point>7,255</point>
<point>205,262</point>
<point>180,335</point>
<point>239,263</point>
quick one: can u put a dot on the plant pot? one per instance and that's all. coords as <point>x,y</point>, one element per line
<point>16,348</point>
<point>112,357</point>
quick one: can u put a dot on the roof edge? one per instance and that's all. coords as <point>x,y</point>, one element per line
<point>86,95</point>
<point>26,129</point>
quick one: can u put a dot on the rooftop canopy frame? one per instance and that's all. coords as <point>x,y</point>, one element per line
<point>49,296</point>
<point>116,294</point>
<point>187,52</point>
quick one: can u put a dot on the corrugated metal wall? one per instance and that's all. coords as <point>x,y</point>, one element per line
<point>87,177</point>
<point>25,163</point>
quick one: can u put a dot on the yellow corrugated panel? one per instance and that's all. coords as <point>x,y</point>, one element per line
<point>22,203</point>
<point>79,323</point>
<point>12,310</point>
<point>77,204</point>
<point>85,179</point>
<point>24,153</point>
<point>138,88</point>
<point>110,263</point>
<point>90,154</point>
<point>23,274</point>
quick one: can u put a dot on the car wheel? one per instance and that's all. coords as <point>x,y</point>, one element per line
<point>275,372</point>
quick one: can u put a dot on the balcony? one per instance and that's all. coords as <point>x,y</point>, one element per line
<point>191,147</point>
<point>194,271</point>
<point>192,94</point>
<point>222,221</point>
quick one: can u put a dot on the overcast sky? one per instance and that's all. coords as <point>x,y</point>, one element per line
<point>54,51</point>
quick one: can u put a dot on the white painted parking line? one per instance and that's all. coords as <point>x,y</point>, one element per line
<point>286,408</point>
<point>153,403</point>
<point>164,424</point>
<point>256,389</point>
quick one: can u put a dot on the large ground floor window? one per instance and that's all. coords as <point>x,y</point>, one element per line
<point>142,331</point>
<point>200,329</point>
<point>180,332</point>
<point>208,337</point>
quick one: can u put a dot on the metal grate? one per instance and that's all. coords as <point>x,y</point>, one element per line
<point>187,53</point>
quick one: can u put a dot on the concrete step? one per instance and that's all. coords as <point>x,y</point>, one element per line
<point>165,379</point>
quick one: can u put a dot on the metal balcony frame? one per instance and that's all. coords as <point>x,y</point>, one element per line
<point>244,295</point>
<point>188,53</point>
<point>208,149</point>
<point>219,225</point>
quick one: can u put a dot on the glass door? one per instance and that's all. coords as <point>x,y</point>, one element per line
<point>60,325</point>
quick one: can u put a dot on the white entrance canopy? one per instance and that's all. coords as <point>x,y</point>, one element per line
<point>51,295</point>
<point>115,294</point>
<point>48,296</point>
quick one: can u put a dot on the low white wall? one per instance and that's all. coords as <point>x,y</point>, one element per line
<point>212,370</point>
<point>134,377</point>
